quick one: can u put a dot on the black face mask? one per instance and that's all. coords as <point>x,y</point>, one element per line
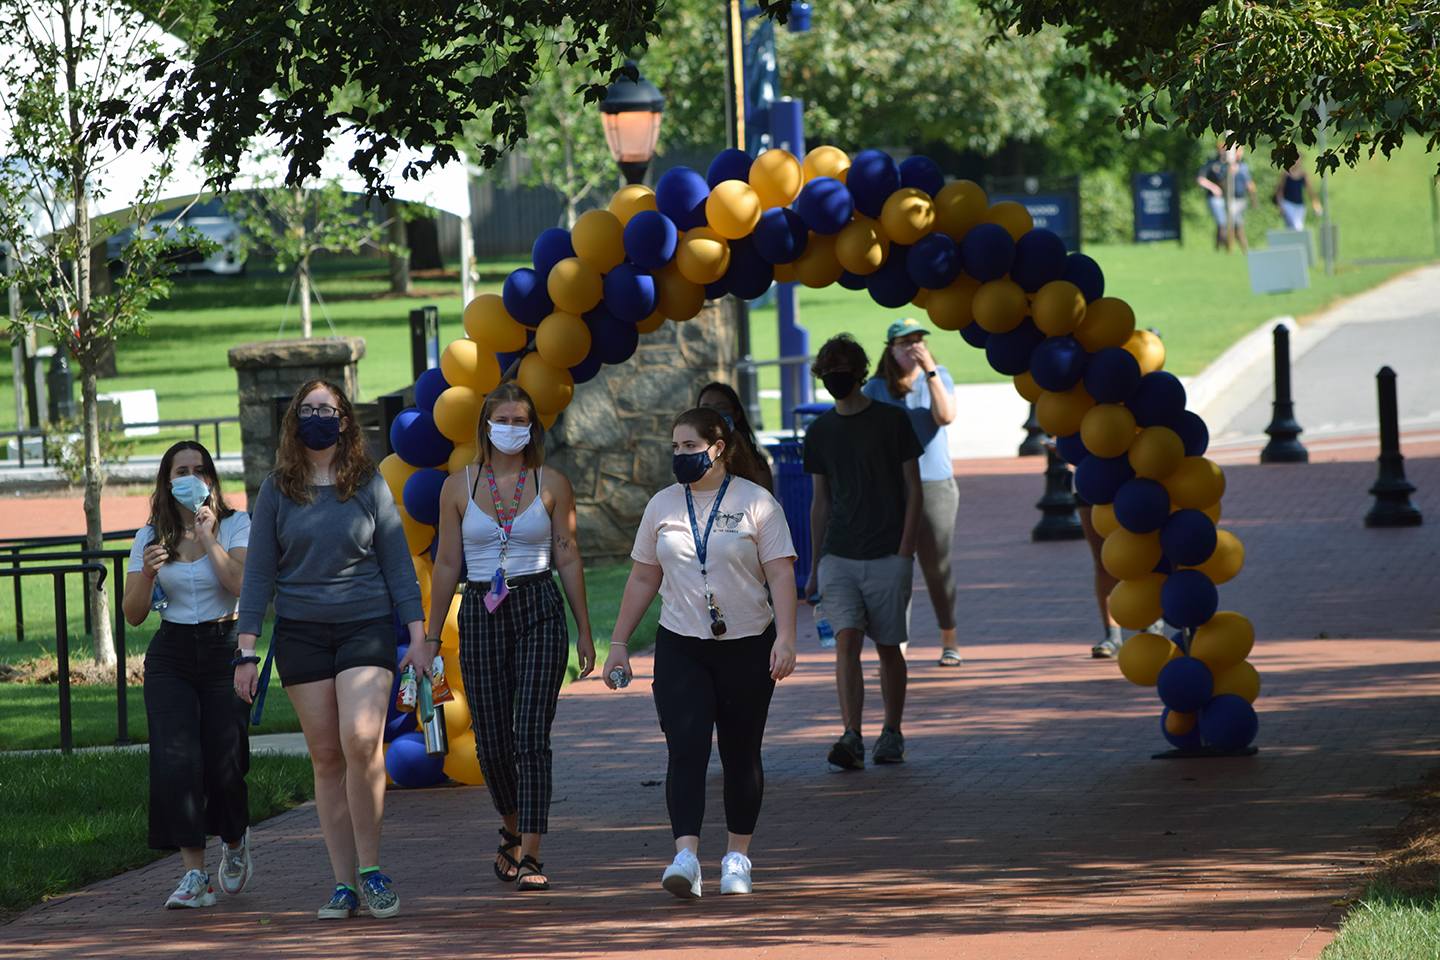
<point>690,467</point>
<point>319,434</point>
<point>839,384</point>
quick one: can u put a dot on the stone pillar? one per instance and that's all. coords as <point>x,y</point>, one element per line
<point>613,441</point>
<point>279,368</point>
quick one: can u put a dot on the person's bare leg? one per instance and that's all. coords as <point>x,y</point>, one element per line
<point>739,843</point>
<point>530,847</point>
<point>894,676</point>
<point>361,694</point>
<point>849,680</point>
<point>319,719</point>
<point>194,858</point>
<point>1104,583</point>
<point>512,824</point>
<point>1244,243</point>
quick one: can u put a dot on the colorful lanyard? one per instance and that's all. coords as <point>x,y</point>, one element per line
<point>500,515</point>
<point>702,543</point>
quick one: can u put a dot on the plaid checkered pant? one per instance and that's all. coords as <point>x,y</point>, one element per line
<point>512,662</point>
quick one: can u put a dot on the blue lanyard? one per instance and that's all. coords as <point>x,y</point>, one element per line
<point>702,543</point>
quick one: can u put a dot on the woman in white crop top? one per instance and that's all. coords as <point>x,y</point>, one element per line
<point>193,551</point>
<point>508,521</point>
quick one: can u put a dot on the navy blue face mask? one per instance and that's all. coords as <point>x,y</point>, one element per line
<point>318,434</point>
<point>690,467</point>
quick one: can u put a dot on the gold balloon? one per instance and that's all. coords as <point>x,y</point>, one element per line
<point>562,340</point>
<point>457,711</point>
<point>1108,430</point>
<point>1197,483</point>
<point>1135,604</point>
<point>1026,386</point>
<point>599,238</point>
<point>1058,308</point>
<point>1156,453</point>
<point>488,323</point>
<point>1146,348</point>
<point>1223,641</point>
<point>1241,679</point>
<point>862,246</point>
<point>907,215</point>
<point>1225,563</point>
<point>1012,216</point>
<point>920,299</point>
<point>785,273</point>
<point>1130,556</point>
<point>776,178</point>
<point>952,308</point>
<point>1060,414</point>
<point>1108,323</point>
<point>817,266</point>
<point>423,572</point>
<point>999,305</point>
<point>396,472</point>
<point>652,323</point>
<point>826,161</point>
<point>629,201</point>
<point>1143,655</point>
<point>675,296</point>
<point>733,209</point>
<point>461,763</point>
<point>575,285</point>
<point>703,255</point>
<point>457,414</point>
<point>959,205</point>
<point>467,364</point>
<point>1179,724</point>
<point>418,536</point>
<point>1102,518</point>
<point>549,387</point>
<point>464,453</point>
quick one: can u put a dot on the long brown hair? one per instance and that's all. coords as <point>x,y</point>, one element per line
<point>165,510</point>
<point>741,428</point>
<point>890,370</point>
<point>353,466</point>
<point>712,427</point>
<point>510,392</point>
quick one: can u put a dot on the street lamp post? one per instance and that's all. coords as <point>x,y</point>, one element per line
<point>630,114</point>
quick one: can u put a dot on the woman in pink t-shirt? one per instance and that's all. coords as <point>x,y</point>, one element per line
<point>711,546</point>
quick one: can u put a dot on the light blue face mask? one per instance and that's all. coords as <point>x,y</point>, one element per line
<point>190,492</point>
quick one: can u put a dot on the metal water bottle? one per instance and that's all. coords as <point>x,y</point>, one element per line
<point>432,720</point>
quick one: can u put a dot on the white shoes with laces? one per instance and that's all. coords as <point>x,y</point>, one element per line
<point>735,873</point>
<point>682,877</point>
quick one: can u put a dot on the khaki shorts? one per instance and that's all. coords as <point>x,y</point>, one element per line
<point>868,595</point>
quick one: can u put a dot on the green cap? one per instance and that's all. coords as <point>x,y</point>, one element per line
<point>903,328</point>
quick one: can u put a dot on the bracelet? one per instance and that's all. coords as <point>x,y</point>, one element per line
<point>149,576</point>
<point>620,643</point>
<point>433,640</point>
<point>238,661</point>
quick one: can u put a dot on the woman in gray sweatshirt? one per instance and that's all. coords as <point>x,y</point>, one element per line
<point>326,542</point>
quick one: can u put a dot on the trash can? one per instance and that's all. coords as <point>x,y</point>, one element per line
<point>794,490</point>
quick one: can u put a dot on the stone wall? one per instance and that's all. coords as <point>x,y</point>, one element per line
<point>613,441</point>
<point>279,368</point>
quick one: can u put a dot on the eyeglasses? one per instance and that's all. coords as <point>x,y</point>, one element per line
<point>324,413</point>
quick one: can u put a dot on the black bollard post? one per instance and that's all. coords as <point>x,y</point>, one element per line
<point>1392,491</point>
<point>1034,443</point>
<point>1059,520</point>
<point>1284,431</point>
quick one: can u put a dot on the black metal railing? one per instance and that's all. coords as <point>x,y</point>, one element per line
<point>193,424</point>
<point>13,547</point>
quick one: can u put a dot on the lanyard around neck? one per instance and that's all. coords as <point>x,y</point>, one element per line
<point>506,521</point>
<point>702,543</point>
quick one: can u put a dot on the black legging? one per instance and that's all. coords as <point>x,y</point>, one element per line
<point>719,685</point>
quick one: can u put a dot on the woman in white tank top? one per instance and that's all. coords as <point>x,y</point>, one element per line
<point>508,522</point>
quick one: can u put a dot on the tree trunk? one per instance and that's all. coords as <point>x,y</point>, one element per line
<point>99,600</point>
<point>305,299</point>
<point>399,266</point>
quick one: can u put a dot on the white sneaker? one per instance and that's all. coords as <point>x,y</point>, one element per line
<point>235,865</point>
<point>682,877</point>
<point>194,891</point>
<point>735,873</point>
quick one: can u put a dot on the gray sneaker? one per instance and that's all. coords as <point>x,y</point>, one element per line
<point>235,865</point>
<point>848,752</point>
<point>890,748</point>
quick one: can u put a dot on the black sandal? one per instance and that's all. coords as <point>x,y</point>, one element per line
<point>510,872</point>
<point>526,881</point>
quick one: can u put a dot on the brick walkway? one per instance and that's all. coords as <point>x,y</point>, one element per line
<point>1029,821</point>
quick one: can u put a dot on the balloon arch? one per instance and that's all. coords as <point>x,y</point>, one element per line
<point>902,233</point>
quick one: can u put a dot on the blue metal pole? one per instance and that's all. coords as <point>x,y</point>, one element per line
<point>787,132</point>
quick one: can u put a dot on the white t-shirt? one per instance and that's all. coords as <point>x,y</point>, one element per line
<point>749,531</point>
<point>195,593</point>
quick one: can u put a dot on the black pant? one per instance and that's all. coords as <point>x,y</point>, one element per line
<point>713,685</point>
<point>199,736</point>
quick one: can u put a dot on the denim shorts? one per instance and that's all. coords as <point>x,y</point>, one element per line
<point>307,651</point>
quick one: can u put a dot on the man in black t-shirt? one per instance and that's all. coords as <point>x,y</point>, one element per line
<point>864,460</point>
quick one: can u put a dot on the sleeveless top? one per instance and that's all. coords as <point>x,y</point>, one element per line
<point>529,550</point>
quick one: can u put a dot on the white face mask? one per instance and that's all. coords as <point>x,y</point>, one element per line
<point>507,437</point>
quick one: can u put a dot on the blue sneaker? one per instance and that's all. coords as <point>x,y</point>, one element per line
<point>379,897</point>
<point>343,905</point>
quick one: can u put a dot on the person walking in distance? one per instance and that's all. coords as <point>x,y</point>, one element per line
<point>865,521</point>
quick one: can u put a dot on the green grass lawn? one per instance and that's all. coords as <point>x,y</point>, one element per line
<point>73,820</point>
<point>1389,925</point>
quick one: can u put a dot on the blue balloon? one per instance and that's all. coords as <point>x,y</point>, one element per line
<point>1188,598</point>
<point>1182,741</point>
<point>402,722</point>
<point>1164,565</point>
<point>630,293</point>
<point>1142,505</point>
<point>934,261</point>
<point>1085,273</point>
<point>422,495</point>
<point>680,194</point>
<point>585,370</point>
<point>975,335</point>
<point>428,387</point>
<point>1228,722</point>
<point>409,765</point>
<point>550,248</point>
<point>650,239</point>
<point>729,164</point>
<point>1071,449</point>
<point>417,441</point>
<point>611,340</point>
<point>1188,537</point>
<point>1112,376</point>
<point>1185,684</point>
<point>1157,400</point>
<point>853,281</point>
<point>987,252</point>
<point>749,274</point>
<point>1039,259</point>
<point>716,289</point>
<point>1192,431</point>
<point>1009,352</point>
<point>525,296</point>
<point>872,177</point>
<point>781,235</point>
<point>1058,364</point>
<point>891,285</point>
<point>825,205</point>
<point>1098,479</point>
<point>922,173</point>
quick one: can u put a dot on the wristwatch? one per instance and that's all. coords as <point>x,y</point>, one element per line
<point>241,653</point>
<point>932,373</point>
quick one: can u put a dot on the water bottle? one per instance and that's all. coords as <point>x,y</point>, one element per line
<point>620,677</point>
<point>158,600</point>
<point>822,627</point>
